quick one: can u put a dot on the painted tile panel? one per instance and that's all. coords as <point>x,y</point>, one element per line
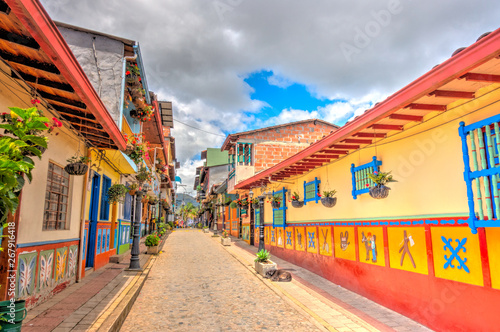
<point>300,239</point>
<point>46,269</point>
<point>407,249</point>
<point>325,241</point>
<point>289,238</point>
<point>280,234</point>
<point>493,244</point>
<point>345,246</point>
<point>312,239</point>
<point>26,273</point>
<point>371,245</point>
<point>61,263</point>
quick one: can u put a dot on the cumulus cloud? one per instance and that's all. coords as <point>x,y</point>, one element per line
<point>197,52</point>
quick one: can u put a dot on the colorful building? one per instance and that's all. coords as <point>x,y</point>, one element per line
<point>429,250</point>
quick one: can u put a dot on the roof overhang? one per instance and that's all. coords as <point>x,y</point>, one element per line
<point>65,84</point>
<point>457,78</point>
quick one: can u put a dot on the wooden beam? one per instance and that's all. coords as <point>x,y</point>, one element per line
<point>308,163</point>
<point>370,135</point>
<point>427,107</point>
<point>357,141</point>
<point>453,94</point>
<point>325,155</point>
<point>336,151</point>
<point>65,114</point>
<point>348,147</point>
<point>43,81</point>
<point>94,132</point>
<point>74,103</point>
<point>81,114</point>
<point>487,78</point>
<point>386,126</point>
<point>21,60</point>
<point>406,117</point>
<point>18,39</point>
<point>323,160</point>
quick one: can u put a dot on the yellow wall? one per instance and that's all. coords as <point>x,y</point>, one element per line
<point>428,166</point>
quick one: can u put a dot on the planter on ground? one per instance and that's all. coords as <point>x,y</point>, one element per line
<point>329,201</point>
<point>379,192</point>
<point>153,250</point>
<point>205,230</point>
<point>19,310</point>
<point>263,267</point>
<point>225,241</point>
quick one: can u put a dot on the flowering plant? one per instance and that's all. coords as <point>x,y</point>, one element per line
<point>152,240</point>
<point>381,178</point>
<point>242,202</point>
<point>143,114</point>
<point>137,147</point>
<point>295,196</point>
<point>132,69</point>
<point>143,175</point>
<point>225,234</point>
<point>161,168</point>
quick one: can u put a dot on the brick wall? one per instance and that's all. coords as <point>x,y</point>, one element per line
<point>275,145</point>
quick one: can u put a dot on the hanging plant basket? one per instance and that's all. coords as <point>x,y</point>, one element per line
<point>276,205</point>
<point>133,113</point>
<point>132,192</point>
<point>297,204</point>
<point>255,206</point>
<point>76,168</point>
<point>379,192</point>
<point>329,201</point>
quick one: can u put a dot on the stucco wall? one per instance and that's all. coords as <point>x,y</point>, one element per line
<point>105,72</point>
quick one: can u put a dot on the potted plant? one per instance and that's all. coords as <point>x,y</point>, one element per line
<point>225,239</point>
<point>380,190</point>
<point>152,200</point>
<point>255,203</point>
<point>328,200</point>
<point>296,202</point>
<point>152,242</point>
<point>116,193</point>
<point>143,175</point>
<point>233,205</point>
<point>132,189</point>
<point>205,229</point>
<point>276,202</point>
<point>77,165</point>
<point>263,264</point>
<point>137,148</point>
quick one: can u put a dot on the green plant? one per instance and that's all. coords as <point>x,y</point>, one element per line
<point>198,188</point>
<point>137,147</point>
<point>205,227</point>
<point>134,69</point>
<point>225,234</point>
<point>199,225</point>
<point>228,201</point>
<point>78,159</point>
<point>276,199</point>
<point>116,193</point>
<point>143,175</point>
<point>329,193</point>
<point>381,178</point>
<point>152,240</point>
<point>133,186</point>
<point>263,256</point>
<point>26,126</point>
<point>255,201</point>
<point>233,205</point>
<point>295,196</point>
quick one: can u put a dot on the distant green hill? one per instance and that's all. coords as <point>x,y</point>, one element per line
<point>181,197</point>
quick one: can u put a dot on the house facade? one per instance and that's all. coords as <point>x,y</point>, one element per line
<point>429,249</point>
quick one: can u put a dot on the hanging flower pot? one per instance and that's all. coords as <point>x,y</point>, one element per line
<point>329,201</point>
<point>132,192</point>
<point>134,113</point>
<point>379,191</point>
<point>276,204</point>
<point>297,204</point>
<point>77,165</point>
<point>255,206</point>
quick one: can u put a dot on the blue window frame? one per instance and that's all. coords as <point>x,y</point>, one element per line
<point>107,239</point>
<point>480,147</point>
<point>127,207</point>
<point>84,253</point>
<point>99,241</point>
<point>244,154</point>
<point>279,214</point>
<point>257,217</point>
<point>106,183</point>
<point>311,190</point>
<point>361,182</point>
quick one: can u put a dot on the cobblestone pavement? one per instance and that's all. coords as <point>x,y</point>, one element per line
<point>196,285</point>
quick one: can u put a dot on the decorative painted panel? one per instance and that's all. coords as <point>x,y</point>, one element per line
<point>107,239</point>
<point>312,240</point>
<point>325,241</point>
<point>493,244</point>
<point>457,255</point>
<point>245,233</point>
<point>300,239</point>
<point>84,253</point>
<point>273,236</point>
<point>61,263</point>
<point>407,249</point>
<point>99,241</point>
<point>72,260</point>
<point>46,269</point>
<point>371,245</point>
<point>26,273</point>
<point>345,246</point>
<point>280,237</point>
<point>267,235</point>
<point>289,238</point>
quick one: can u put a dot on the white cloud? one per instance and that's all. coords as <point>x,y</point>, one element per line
<point>187,173</point>
<point>279,81</point>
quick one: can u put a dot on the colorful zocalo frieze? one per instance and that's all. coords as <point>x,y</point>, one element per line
<point>43,266</point>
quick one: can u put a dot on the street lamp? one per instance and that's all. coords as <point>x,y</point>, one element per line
<point>261,217</point>
<point>134,252</point>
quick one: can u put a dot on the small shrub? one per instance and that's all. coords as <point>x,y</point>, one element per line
<point>152,240</point>
<point>263,256</point>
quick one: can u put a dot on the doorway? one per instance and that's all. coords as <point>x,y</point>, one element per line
<point>93,216</point>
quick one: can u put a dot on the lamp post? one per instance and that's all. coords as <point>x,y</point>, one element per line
<point>134,259</point>
<point>261,222</point>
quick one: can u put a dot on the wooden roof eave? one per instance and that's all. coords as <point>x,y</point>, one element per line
<point>36,20</point>
<point>453,68</point>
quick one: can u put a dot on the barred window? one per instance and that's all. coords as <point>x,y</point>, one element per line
<point>56,198</point>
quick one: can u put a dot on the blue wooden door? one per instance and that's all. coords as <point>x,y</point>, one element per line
<point>94,208</point>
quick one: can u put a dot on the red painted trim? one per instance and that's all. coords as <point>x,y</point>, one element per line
<point>485,262</point>
<point>386,246</point>
<point>41,27</point>
<point>476,54</point>
<point>430,255</point>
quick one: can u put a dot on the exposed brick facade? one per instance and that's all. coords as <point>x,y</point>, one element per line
<point>275,144</point>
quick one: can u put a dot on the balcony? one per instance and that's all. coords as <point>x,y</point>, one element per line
<point>240,173</point>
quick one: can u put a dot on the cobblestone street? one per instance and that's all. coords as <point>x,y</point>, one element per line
<point>196,285</point>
